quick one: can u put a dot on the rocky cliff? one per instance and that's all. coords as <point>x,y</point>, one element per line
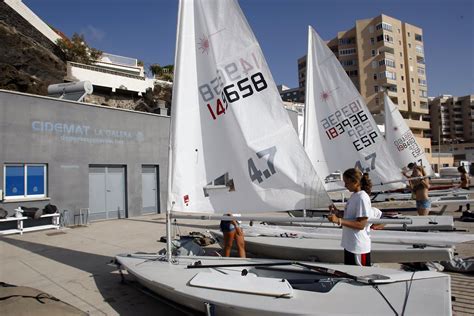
<point>25,64</point>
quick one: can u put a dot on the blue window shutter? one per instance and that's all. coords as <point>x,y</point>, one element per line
<point>14,181</point>
<point>35,180</point>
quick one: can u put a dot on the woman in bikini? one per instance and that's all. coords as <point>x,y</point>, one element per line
<point>420,189</point>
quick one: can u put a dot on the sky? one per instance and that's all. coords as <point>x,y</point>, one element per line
<point>146,30</point>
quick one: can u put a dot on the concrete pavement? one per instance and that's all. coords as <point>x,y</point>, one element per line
<point>72,263</point>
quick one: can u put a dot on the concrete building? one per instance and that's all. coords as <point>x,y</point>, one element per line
<point>75,155</point>
<point>452,119</point>
<point>452,127</point>
<point>460,152</point>
<point>385,54</point>
<point>112,73</point>
<point>290,94</point>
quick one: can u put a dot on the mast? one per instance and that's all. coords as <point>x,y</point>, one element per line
<point>169,203</point>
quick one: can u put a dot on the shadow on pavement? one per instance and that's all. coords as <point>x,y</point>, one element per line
<point>125,299</point>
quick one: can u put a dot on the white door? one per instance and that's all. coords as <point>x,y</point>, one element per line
<point>97,208</point>
<point>149,190</point>
<point>115,192</point>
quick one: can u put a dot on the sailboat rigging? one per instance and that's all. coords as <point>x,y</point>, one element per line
<point>233,147</point>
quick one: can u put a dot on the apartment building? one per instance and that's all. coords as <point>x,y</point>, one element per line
<point>385,54</point>
<point>290,94</point>
<point>452,126</point>
<point>452,119</point>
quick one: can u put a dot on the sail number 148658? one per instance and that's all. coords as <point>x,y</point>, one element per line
<point>234,92</point>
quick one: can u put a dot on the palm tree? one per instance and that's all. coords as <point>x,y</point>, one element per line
<point>163,73</point>
<point>156,70</point>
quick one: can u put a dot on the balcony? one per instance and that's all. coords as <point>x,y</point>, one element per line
<point>420,60</point>
<point>424,106</point>
<point>418,124</point>
<point>114,79</point>
<point>386,49</point>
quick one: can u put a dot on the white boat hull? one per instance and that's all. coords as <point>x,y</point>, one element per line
<point>330,250</point>
<point>429,291</point>
<point>440,239</point>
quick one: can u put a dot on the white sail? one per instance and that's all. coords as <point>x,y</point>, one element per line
<point>400,140</point>
<point>340,132</point>
<point>232,145</point>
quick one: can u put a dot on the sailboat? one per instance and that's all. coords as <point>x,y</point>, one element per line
<point>405,149</point>
<point>338,120</point>
<point>232,148</point>
<point>400,140</point>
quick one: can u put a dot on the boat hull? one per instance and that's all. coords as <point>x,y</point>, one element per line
<point>330,250</point>
<point>429,294</point>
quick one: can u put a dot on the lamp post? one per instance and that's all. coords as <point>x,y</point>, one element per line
<point>439,146</point>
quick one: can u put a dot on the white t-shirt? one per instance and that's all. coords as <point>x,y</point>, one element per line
<point>354,240</point>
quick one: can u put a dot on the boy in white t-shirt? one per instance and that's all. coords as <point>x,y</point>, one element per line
<point>355,228</point>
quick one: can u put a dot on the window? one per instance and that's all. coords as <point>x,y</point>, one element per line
<point>408,34</point>
<point>419,49</point>
<point>387,62</point>
<point>348,51</point>
<point>375,76</point>
<point>401,55</point>
<point>350,62</point>
<point>374,64</point>
<point>403,78</point>
<point>372,41</point>
<point>25,180</point>
<point>423,93</point>
<point>388,75</point>
<point>376,88</point>
<point>418,37</point>
<point>388,38</point>
<point>401,66</point>
<point>421,71</point>
<point>422,82</point>
<point>373,52</point>
<point>392,88</point>
<point>347,41</point>
<point>377,101</point>
<point>352,73</point>
<point>409,45</point>
<point>403,90</point>
<point>385,26</point>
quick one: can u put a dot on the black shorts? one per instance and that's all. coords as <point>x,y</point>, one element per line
<point>355,259</point>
